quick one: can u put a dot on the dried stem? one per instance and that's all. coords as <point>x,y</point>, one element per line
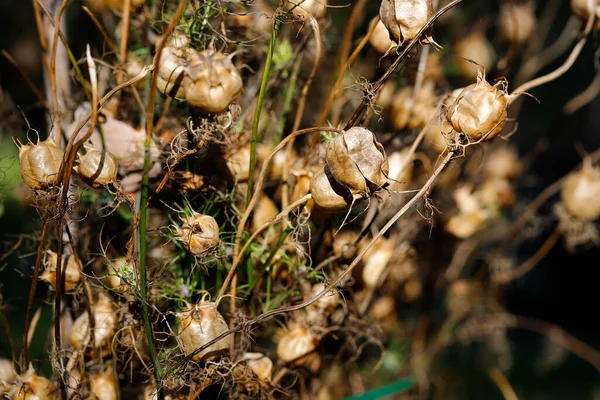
<point>503,384</point>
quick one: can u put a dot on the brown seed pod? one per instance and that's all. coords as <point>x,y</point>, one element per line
<point>480,111</point>
<point>476,47</point>
<point>30,386</point>
<point>376,259</point>
<point>357,161</point>
<point>200,324</point>
<point>97,167</point>
<point>104,386</point>
<point>72,271</point>
<point>414,111</point>
<point>215,82</point>
<point>581,9</point>
<point>327,193</point>
<point>405,18</point>
<point>199,234</point>
<point>40,163</point>
<point>496,193</point>
<point>517,22</point>
<point>580,192</point>
<point>261,366</point>
<point>325,304</point>
<point>172,71</point>
<point>344,244</point>
<point>316,8</point>
<point>471,217</point>
<point>238,162</point>
<point>105,322</point>
<point>380,39</point>
<point>297,347</point>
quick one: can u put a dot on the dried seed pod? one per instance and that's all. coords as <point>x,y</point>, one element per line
<point>265,211</point>
<point>105,322</point>
<point>581,9</point>
<point>261,365</point>
<point>104,386</point>
<point>386,95</point>
<point>502,163</point>
<point>199,234</point>
<point>357,160</point>
<point>72,271</point>
<point>40,163</point>
<point>477,48</point>
<point>297,346</point>
<point>460,298</point>
<point>7,374</point>
<point>97,167</point>
<point>471,218</point>
<point>198,325</point>
<point>316,8</point>
<point>215,81</point>
<point>325,304</point>
<point>344,244</point>
<point>327,193</point>
<point>580,192</point>
<point>480,110</point>
<point>496,193</point>
<point>380,39</point>
<point>405,18</point>
<point>517,21</point>
<point>30,386</point>
<point>401,169</point>
<point>171,72</point>
<point>376,259</point>
<point>413,111</point>
<point>238,161</point>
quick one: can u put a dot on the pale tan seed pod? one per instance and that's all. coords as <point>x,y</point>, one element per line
<point>133,67</point>
<point>502,163</point>
<point>581,9</point>
<point>325,304</point>
<point>410,111</point>
<point>171,78</point>
<point>105,322</point>
<point>72,271</point>
<point>405,18</point>
<point>376,259</point>
<point>517,22</point>
<point>345,244</point>
<point>475,47</point>
<point>496,193</point>
<point>261,366</point>
<point>327,193</point>
<point>386,95</point>
<point>401,169</point>
<point>580,192</point>
<point>471,217</point>
<point>434,135</point>
<point>40,163</point>
<point>380,39</point>
<point>30,386</point>
<point>265,211</point>
<point>316,8</point>
<point>460,298</point>
<point>480,111</point>
<point>357,161</point>
<point>7,374</point>
<point>215,82</point>
<point>104,386</point>
<point>199,234</point>
<point>238,162</point>
<point>411,291</point>
<point>198,325</point>
<point>297,347</point>
<point>97,167</point>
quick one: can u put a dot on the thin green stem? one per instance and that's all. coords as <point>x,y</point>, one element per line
<point>287,102</point>
<point>259,103</point>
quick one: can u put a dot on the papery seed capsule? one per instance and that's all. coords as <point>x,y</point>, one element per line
<point>316,8</point>
<point>97,167</point>
<point>199,234</point>
<point>215,81</point>
<point>7,374</point>
<point>261,365</point>
<point>401,169</point>
<point>30,386</point>
<point>480,111</point>
<point>328,194</point>
<point>105,322</point>
<point>580,192</point>
<point>477,48</point>
<point>72,271</point>
<point>496,193</point>
<point>172,70</point>
<point>517,22</point>
<point>325,304</point>
<point>582,11</point>
<point>376,259</point>
<point>380,39</point>
<point>464,226</point>
<point>502,163</point>
<point>40,163</point>
<point>297,346</point>
<point>405,18</point>
<point>345,244</point>
<point>414,111</point>
<point>103,385</point>
<point>198,325</point>
<point>357,160</point>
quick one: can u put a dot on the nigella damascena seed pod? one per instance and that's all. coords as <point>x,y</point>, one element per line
<point>580,193</point>
<point>357,160</point>
<point>72,271</point>
<point>105,322</point>
<point>198,325</point>
<point>199,234</point>
<point>405,18</point>
<point>97,167</point>
<point>380,39</point>
<point>517,22</point>
<point>479,111</point>
<point>581,9</point>
<point>171,70</point>
<point>297,347</point>
<point>31,386</point>
<point>475,47</point>
<point>40,163</point>
<point>327,193</point>
<point>103,385</point>
<point>215,82</point>
<point>316,8</point>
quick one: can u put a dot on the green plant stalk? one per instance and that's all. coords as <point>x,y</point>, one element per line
<point>398,387</point>
<point>287,102</point>
<point>258,110</point>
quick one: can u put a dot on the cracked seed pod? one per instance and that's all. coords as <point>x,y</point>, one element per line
<point>317,8</point>
<point>517,22</point>
<point>357,160</point>
<point>105,322</point>
<point>97,167</point>
<point>261,365</point>
<point>40,163</point>
<point>215,82</point>
<point>199,234</point>
<point>480,110</point>
<point>30,386</point>
<point>103,386</point>
<point>580,192</point>
<point>7,374</point>
<point>325,304</point>
<point>474,47</point>
<point>328,194</point>
<point>297,347</point>
<point>198,325</point>
<point>581,9</point>
<point>401,169</point>
<point>380,39</point>
<point>405,18</point>
<point>72,271</point>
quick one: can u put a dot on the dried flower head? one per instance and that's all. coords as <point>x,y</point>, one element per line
<point>30,386</point>
<point>405,18</point>
<point>582,10</point>
<point>580,192</point>
<point>327,193</point>
<point>380,39</point>
<point>72,270</point>
<point>40,163</point>
<point>105,322</point>
<point>517,21</point>
<point>297,346</point>
<point>199,234</point>
<point>198,325</point>
<point>97,167</point>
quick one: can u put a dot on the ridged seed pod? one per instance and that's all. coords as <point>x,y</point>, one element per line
<point>97,167</point>
<point>517,22</point>
<point>40,163</point>
<point>198,325</point>
<point>580,192</point>
<point>105,322</point>
<point>199,234</point>
<point>405,18</point>
<point>327,193</point>
<point>72,271</point>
